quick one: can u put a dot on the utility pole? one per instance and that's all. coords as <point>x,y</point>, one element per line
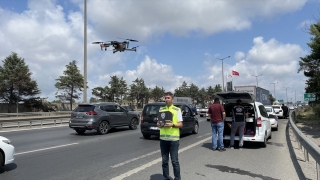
<point>223,90</point>
<point>257,78</point>
<point>295,100</point>
<point>274,89</point>
<point>286,93</point>
<point>85,54</point>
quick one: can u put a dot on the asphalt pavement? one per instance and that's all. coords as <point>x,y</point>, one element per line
<point>60,153</point>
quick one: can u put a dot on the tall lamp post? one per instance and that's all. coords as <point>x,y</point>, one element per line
<point>274,89</point>
<point>286,93</point>
<point>295,96</point>
<point>85,54</point>
<point>257,77</point>
<point>222,71</point>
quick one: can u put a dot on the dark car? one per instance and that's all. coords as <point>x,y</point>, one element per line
<point>102,117</point>
<point>149,119</point>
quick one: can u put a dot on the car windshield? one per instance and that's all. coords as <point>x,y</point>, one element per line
<point>276,107</point>
<point>268,109</point>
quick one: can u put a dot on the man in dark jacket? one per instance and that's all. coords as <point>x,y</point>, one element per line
<point>285,111</point>
<point>239,115</point>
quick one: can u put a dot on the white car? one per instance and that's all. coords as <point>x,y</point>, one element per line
<point>278,110</point>
<point>258,126</point>
<point>6,151</point>
<point>273,117</point>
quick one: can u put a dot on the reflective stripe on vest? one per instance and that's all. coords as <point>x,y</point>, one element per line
<point>169,133</point>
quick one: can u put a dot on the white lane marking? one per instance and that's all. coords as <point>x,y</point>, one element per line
<point>136,170</point>
<point>54,147</point>
<point>134,159</point>
<point>204,135</point>
<point>63,125</point>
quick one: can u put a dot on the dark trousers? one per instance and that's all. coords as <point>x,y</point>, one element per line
<point>170,147</point>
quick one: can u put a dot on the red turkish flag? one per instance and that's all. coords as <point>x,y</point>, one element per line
<point>235,73</point>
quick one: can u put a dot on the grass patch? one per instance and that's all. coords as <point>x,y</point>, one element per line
<point>307,116</point>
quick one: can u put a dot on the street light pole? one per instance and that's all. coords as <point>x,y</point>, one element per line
<point>257,77</point>
<point>85,54</point>
<point>295,100</point>
<point>222,72</point>
<point>286,93</point>
<point>274,89</point>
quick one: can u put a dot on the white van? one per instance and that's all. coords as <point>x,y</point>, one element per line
<point>258,126</point>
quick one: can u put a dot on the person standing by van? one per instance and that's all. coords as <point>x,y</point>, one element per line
<point>239,115</point>
<point>217,115</point>
<point>169,137</point>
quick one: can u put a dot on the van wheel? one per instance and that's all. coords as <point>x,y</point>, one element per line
<point>276,129</point>
<point>195,129</point>
<point>133,124</point>
<point>264,143</point>
<point>103,128</point>
<point>270,137</point>
<point>1,159</point>
<point>80,131</point>
<point>146,136</point>
<point>208,119</point>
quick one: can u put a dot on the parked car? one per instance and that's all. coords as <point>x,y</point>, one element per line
<point>278,110</point>
<point>258,126</point>
<point>7,151</point>
<point>102,117</point>
<point>273,117</point>
<point>149,119</point>
<point>203,111</point>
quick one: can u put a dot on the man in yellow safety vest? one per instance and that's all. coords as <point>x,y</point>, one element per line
<point>169,136</point>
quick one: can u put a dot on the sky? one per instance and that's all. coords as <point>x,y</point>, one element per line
<point>179,40</point>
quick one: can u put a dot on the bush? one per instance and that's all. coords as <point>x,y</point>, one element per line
<point>316,110</point>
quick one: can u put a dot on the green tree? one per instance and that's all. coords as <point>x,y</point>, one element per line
<point>272,99</point>
<point>218,88</point>
<point>193,89</point>
<point>157,93</point>
<point>210,93</point>
<point>16,84</point>
<point>103,94</point>
<point>310,64</point>
<point>70,85</point>
<point>202,96</point>
<point>139,91</point>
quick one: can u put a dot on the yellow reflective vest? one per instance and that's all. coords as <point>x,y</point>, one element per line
<point>170,133</point>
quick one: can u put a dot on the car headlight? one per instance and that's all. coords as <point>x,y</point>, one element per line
<point>7,141</point>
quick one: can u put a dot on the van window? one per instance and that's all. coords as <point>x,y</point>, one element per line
<point>263,111</point>
<point>276,107</point>
<point>268,109</point>
<point>151,110</point>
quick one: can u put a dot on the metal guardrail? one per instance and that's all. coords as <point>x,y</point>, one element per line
<point>31,119</point>
<point>309,146</point>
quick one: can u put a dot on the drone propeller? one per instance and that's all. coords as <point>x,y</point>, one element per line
<point>129,39</point>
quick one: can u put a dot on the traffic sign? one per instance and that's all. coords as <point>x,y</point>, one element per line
<point>309,96</point>
<point>280,100</point>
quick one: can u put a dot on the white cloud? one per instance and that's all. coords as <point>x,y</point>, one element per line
<point>239,55</point>
<point>147,19</point>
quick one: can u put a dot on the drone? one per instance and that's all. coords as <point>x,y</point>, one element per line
<point>118,46</point>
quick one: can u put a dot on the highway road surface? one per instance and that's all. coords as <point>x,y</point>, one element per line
<point>60,153</point>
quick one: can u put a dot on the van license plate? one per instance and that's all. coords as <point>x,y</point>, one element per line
<point>154,128</point>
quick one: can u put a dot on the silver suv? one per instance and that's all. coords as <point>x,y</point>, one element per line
<point>102,117</point>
